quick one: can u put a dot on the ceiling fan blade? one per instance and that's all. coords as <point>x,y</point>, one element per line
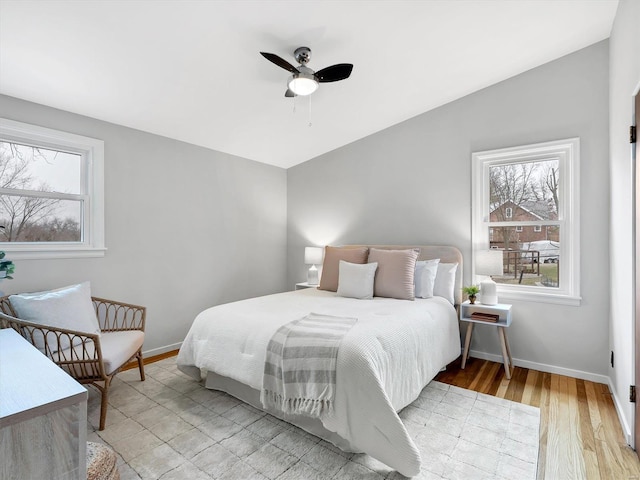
<point>282,63</point>
<point>289,93</point>
<point>334,73</point>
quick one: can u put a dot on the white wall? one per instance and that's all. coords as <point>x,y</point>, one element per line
<point>186,227</point>
<point>624,82</point>
<point>411,184</point>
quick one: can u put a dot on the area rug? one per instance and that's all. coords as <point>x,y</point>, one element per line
<point>171,427</point>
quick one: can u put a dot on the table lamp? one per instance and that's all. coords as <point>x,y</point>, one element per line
<point>313,257</point>
<point>489,262</point>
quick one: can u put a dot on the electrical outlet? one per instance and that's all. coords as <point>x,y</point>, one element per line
<point>611,358</point>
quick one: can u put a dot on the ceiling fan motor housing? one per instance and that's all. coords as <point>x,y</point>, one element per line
<point>302,55</point>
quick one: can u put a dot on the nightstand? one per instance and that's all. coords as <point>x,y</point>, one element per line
<point>302,285</point>
<point>504,312</point>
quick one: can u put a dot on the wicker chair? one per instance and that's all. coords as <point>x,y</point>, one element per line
<point>92,359</point>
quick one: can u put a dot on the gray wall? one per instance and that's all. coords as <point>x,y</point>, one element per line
<point>411,184</point>
<point>186,227</point>
<point>624,83</point>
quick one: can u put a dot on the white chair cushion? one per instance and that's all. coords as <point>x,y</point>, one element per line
<point>117,348</point>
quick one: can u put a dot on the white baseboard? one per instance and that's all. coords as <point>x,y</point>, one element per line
<point>543,367</point>
<point>161,350</point>
<point>626,429</point>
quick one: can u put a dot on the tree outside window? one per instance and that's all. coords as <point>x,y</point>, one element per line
<point>524,193</point>
<point>31,209</point>
<point>51,193</point>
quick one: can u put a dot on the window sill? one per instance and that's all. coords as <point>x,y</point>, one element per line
<point>38,252</point>
<point>542,297</point>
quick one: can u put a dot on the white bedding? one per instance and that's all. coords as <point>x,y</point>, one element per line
<point>386,359</point>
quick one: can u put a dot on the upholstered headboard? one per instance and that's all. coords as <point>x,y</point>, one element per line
<point>446,254</point>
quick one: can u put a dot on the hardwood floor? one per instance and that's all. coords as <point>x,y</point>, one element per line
<point>580,434</point>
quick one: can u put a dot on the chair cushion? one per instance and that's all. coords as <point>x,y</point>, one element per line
<point>117,348</point>
<point>70,308</point>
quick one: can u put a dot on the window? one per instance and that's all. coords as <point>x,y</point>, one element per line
<point>51,192</point>
<point>527,197</point>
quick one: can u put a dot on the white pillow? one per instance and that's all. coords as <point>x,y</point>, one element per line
<point>356,280</point>
<point>425,277</point>
<point>445,281</point>
<point>68,307</point>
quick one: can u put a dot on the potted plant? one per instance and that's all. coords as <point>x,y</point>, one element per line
<point>471,291</point>
<point>7,267</point>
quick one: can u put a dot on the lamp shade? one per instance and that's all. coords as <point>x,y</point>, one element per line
<point>313,255</point>
<point>489,262</point>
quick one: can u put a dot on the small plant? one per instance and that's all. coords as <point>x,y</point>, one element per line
<point>471,290</point>
<point>7,267</point>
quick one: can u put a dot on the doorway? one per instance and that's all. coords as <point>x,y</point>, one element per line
<point>634,148</point>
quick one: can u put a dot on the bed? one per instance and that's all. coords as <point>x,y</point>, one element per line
<point>393,351</point>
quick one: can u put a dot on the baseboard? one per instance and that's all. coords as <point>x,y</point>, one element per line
<point>543,367</point>
<point>159,351</point>
<point>626,429</point>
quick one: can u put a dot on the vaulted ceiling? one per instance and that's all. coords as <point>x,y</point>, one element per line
<point>191,70</point>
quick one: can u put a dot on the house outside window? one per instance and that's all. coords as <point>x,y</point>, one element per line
<point>528,198</point>
<point>51,193</point>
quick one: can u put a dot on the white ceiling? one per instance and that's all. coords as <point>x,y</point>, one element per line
<point>191,70</point>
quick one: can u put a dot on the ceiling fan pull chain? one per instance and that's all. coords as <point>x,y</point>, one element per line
<point>309,111</point>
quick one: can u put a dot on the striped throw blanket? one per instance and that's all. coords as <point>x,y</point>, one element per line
<point>300,365</point>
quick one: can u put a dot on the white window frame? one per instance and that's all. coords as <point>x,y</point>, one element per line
<point>567,152</point>
<point>519,228</point>
<point>508,212</point>
<point>91,151</point>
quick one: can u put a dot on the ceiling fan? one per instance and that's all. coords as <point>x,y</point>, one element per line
<point>304,81</point>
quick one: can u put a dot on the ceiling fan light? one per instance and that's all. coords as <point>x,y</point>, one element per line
<point>303,84</point>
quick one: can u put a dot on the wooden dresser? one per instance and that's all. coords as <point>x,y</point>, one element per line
<point>43,415</point>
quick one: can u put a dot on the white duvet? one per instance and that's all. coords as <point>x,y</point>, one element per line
<point>395,349</point>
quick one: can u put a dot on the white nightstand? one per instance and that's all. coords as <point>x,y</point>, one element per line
<point>301,285</point>
<point>501,309</point>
